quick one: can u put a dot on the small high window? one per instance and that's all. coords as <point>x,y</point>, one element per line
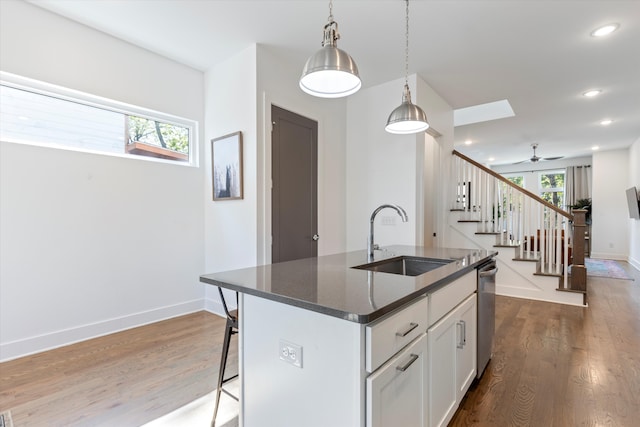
<point>81,122</point>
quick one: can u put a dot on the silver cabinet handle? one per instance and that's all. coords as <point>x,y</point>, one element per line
<point>463,334</point>
<point>404,367</point>
<point>410,328</point>
<point>315,237</point>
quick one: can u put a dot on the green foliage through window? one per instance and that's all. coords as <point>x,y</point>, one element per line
<point>157,133</point>
<point>552,188</point>
<point>517,180</point>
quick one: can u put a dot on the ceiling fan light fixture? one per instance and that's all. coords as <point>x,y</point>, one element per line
<point>592,93</point>
<point>407,118</point>
<point>605,30</point>
<point>330,72</point>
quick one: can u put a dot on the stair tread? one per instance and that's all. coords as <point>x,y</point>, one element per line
<point>469,220</point>
<point>507,246</point>
<point>548,274</point>
<point>575,291</point>
<point>526,259</point>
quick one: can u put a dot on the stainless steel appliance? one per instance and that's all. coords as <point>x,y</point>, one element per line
<point>486,313</point>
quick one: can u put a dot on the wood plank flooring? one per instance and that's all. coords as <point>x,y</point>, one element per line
<point>553,365</point>
<point>123,379</point>
<point>557,365</point>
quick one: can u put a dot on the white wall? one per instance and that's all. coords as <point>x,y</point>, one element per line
<point>239,96</point>
<point>610,216</point>
<point>91,244</point>
<point>436,164</point>
<point>231,225</point>
<point>386,168</point>
<point>278,85</point>
<point>634,225</point>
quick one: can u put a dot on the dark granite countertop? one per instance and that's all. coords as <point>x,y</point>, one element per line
<point>329,285</point>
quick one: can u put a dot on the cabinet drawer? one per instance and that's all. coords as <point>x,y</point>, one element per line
<point>386,336</point>
<point>445,299</point>
<point>397,392</point>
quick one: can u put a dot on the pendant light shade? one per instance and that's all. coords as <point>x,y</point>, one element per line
<point>408,117</point>
<point>330,72</point>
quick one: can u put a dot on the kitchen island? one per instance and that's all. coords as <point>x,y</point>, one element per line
<point>327,342</point>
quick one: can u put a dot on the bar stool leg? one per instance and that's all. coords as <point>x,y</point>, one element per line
<point>223,365</point>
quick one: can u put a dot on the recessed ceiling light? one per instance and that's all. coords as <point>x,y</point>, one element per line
<point>592,93</point>
<point>605,30</point>
<point>595,148</point>
<point>606,122</point>
<point>468,142</point>
<point>491,159</point>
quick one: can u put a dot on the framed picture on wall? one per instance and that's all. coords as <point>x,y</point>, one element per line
<point>226,170</point>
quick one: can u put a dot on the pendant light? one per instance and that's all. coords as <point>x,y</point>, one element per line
<point>330,72</point>
<point>408,117</point>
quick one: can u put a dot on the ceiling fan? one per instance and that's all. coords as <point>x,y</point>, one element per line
<point>535,158</point>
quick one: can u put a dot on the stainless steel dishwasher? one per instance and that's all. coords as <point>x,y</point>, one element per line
<point>486,313</point>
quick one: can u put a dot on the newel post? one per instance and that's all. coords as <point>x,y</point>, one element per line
<point>578,269</point>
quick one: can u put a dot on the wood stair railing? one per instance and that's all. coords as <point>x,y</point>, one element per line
<point>537,230</point>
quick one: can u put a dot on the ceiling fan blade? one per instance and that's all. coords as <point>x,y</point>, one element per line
<point>517,163</point>
<point>553,158</point>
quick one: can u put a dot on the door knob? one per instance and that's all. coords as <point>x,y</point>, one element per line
<point>315,237</point>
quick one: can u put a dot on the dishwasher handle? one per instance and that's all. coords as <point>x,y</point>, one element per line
<point>488,273</point>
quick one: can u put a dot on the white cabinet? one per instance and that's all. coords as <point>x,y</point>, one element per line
<point>451,361</point>
<point>397,391</point>
<point>466,349</point>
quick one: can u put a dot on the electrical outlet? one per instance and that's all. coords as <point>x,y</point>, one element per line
<point>291,353</point>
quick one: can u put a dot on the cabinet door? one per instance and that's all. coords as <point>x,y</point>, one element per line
<point>397,391</point>
<point>442,341</point>
<point>466,346</point>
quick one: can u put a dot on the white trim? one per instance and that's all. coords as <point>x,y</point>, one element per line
<point>24,347</point>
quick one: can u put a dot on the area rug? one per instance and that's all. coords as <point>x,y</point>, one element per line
<point>605,268</point>
<point>5,419</point>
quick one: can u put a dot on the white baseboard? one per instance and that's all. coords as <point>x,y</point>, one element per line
<point>609,255</point>
<point>24,347</point>
<point>635,263</point>
<point>213,306</point>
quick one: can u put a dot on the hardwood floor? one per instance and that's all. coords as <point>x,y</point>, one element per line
<point>557,365</point>
<point>553,365</point>
<point>123,379</point>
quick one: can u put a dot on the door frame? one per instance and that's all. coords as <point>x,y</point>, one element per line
<point>265,184</point>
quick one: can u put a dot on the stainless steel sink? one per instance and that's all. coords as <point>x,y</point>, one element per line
<point>405,265</point>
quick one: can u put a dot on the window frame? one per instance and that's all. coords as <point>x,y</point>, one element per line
<point>83,98</point>
<point>562,190</point>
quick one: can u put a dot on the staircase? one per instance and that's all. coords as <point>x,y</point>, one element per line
<point>534,239</point>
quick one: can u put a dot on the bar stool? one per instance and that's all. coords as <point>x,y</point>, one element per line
<point>231,328</point>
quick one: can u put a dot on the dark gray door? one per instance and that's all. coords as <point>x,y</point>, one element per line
<point>294,198</point>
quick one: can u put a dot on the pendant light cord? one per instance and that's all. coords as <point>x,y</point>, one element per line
<point>330,10</point>
<point>406,50</point>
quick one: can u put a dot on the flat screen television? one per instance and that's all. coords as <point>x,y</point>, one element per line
<point>634,203</point>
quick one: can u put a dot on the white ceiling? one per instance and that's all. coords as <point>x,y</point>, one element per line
<point>537,54</point>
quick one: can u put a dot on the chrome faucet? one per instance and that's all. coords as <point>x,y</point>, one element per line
<point>371,246</point>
